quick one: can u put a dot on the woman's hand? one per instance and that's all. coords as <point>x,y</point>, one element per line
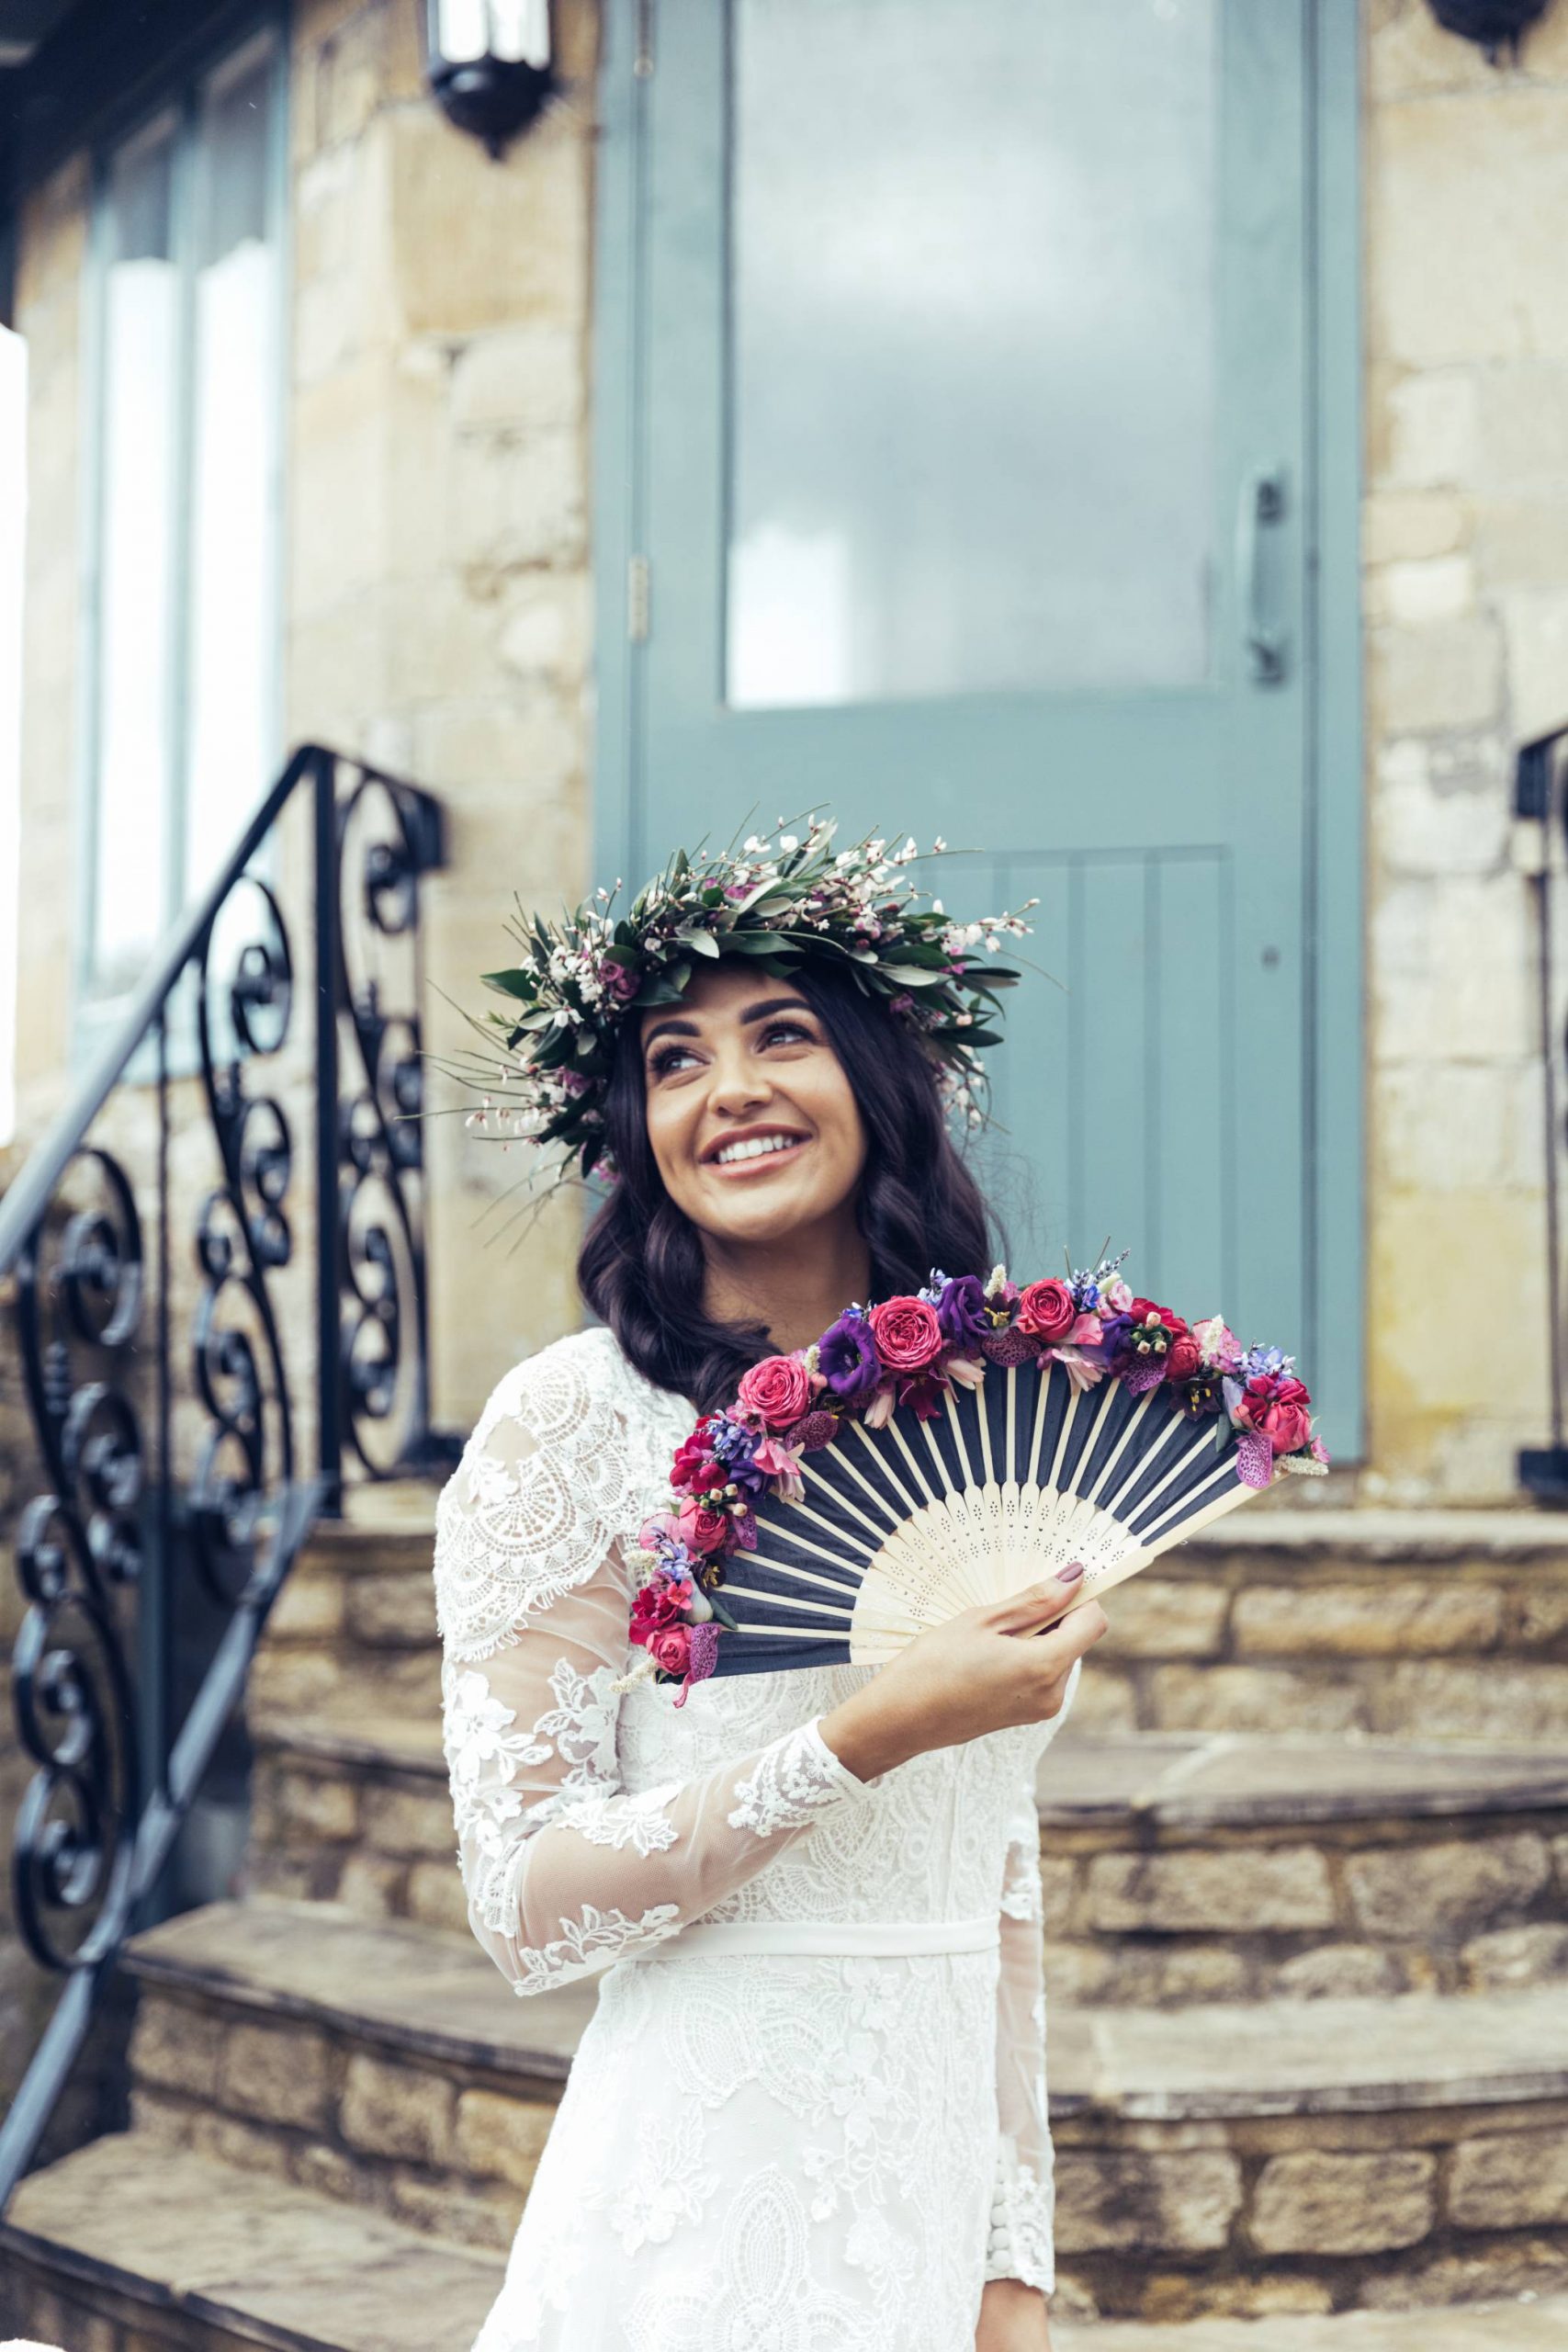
<point>979,1672</point>
<point>1012,2318</point>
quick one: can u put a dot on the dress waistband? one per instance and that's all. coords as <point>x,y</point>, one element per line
<point>850,1938</point>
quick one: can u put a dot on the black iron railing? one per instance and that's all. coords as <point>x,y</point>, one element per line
<point>1540,825</point>
<point>194,1382</point>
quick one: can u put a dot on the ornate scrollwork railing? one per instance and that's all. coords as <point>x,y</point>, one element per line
<point>154,1243</point>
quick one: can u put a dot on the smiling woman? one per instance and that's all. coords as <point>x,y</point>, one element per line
<point>849,1185</point>
<point>809,2109</point>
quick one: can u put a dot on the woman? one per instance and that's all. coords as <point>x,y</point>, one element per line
<point>815,2122</point>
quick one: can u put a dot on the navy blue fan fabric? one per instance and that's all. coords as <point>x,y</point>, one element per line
<point>1135,1468</point>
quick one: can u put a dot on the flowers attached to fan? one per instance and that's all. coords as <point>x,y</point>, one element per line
<point>914,1350</point>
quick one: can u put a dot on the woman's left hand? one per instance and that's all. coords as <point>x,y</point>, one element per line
<point>1012,2318</point>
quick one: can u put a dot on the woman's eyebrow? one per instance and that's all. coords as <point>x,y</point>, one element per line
<point>770,1005</point>
<point>676,1028</point>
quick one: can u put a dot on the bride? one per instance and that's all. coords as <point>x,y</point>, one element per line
<point>814,2121</point>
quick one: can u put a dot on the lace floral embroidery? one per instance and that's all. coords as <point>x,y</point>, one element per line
<point>1023,2215</point>
<point>1021,1895</point>
<point>589,1943</point>
<point>792,1782</point>
<point>639,1822</point>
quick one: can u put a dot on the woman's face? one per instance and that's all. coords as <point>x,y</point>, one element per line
<point>751,1119</point>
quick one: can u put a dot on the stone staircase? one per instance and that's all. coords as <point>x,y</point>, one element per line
<point>1307,1952</point>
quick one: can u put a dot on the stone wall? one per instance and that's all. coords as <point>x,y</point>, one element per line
<point>438,597</point>
<point>438,619</point>
<point>1466,603</point>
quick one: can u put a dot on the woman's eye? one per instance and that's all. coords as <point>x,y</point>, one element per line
<point>787,1033</point>
<point>669,1059</point>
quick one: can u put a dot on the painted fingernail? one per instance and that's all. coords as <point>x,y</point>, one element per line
<point>1071,1574</point>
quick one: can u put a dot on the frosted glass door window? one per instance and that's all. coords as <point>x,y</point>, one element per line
<point>972,346</point>
<point>135,684</point>
<point>234,406</point>
<point>184,722</point>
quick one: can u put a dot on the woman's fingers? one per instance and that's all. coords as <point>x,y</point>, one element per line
<point>1040,1605</point>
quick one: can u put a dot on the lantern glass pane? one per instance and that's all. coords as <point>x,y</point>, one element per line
<point>463,31</point>
<point>972,365</point>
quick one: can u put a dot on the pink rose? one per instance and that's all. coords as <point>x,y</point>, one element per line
<point>1046,1309</point>
<point>906,1333</point>
<point>1286,1426</point>
<point>703,1530</point>
<point>671,1650</point>
<point>1182,1358</point>
<point>777,1390</point>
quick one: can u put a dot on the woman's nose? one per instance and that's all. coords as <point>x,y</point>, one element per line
<point>738,1084</point>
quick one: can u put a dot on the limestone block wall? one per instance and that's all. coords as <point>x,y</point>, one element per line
<point>438,582</point>
<point>1466,609</point>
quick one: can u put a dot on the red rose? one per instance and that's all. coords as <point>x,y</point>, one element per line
<point>776,1390</point>
<point>703,1530</point>
<point>906,1333</point>
<point>1046,1309</point>
<point>1287,1426</point>
<point>654,1608</point>
<point>671,1650</point>
<point>1182,1357</point>
<point>696,1468</point>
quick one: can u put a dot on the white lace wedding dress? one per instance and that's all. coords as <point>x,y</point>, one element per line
<point>815,2122</point>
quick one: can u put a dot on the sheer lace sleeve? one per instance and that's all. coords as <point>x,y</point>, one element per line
<point>1022,2210</point>
<point>566,1871</point>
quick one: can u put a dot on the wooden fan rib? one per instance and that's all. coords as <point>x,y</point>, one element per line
<point>793,1600</point>
<point>804,1576</point>
<point>913,1501</point>
<point>1135,1421</point>
<point>840,1455</point>
<point>841,1535</point>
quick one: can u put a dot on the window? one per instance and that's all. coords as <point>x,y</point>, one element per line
<point>183,731</point>
<point>13,505</point>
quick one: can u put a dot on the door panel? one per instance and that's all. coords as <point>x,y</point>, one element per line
<point>1035,615</point>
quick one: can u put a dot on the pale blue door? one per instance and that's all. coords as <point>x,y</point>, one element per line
<point>967,423</point>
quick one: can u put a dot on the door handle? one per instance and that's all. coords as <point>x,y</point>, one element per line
<point>1262,504</point>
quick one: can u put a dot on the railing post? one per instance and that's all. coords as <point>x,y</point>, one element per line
<point>1539,810</point>
<point>328,1280</point>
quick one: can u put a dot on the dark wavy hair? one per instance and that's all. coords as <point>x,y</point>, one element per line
<point>641,1267</point>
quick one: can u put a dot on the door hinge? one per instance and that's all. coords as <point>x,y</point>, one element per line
<point>642,63</point>
<point>637,599</point>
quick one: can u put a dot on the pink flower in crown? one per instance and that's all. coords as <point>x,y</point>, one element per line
<point>617,981</point>
<point>783,1463</point>
<point>1115,1296</point>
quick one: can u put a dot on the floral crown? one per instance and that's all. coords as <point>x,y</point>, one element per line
<point>547,1059</point>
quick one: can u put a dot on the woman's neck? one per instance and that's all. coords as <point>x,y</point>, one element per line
<point>796,1287</point>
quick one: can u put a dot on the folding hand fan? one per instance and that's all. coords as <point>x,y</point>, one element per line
<point>902,1527</point>
<point>941,1452</point>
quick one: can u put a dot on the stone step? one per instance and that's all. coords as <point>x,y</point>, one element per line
<point>129,2245</point>
<point>1427,1624</point>
<point>1291,2157</point>
<point>1282,2156</point>
<point>1182,1867</point>
<point>1177,1866</point>
<point>383,2064</point>
<point>1522,2324</point>
<point>100,2254</point>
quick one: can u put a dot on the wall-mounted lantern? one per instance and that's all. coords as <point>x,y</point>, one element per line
<point>490,64</point>
<point>1495,24</point>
